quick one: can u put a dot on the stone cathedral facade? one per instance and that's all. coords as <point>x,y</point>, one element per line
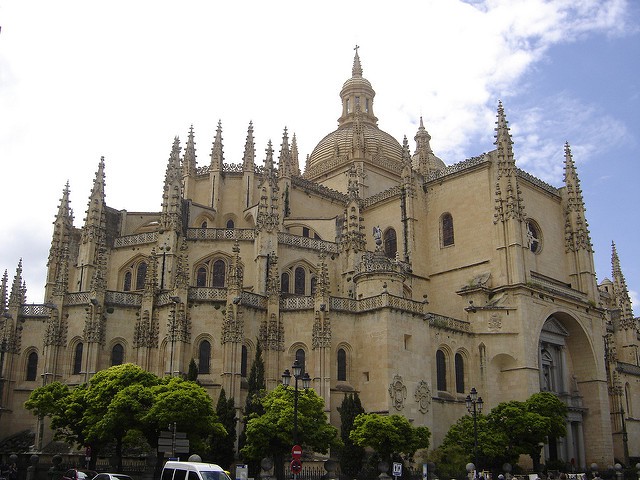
<point>385,272</point>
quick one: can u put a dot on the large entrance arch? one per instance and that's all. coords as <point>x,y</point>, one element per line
<point>569,367</point>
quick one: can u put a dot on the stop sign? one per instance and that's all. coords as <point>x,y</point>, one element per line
<point>296,466</point>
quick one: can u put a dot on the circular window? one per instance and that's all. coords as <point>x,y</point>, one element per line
<point>534,237</point>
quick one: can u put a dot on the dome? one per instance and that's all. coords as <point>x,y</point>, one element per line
<point>339,144</point>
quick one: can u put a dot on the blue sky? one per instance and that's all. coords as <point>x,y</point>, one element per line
<point>79,80</point>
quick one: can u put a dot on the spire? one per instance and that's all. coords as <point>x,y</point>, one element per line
<point>576,227</point>
<point>295,163</point>
<point>511,205</point>
<point>426,161</point>
<point>356,71</point>
<point>284,160</point>
<point>3,292</point>
<point>58,262</point>
<point>189,165</point>
<point>94,223</point>
<point>17,295</point>
<point>249,158</point>
<point>268,162</point>
<point>171,216</point>
<point>268,217</point>
<point>217,155</point>
<point>621,294</point>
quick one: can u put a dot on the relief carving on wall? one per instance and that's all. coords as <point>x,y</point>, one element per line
<point>398,392</point>
<point>423,396</point>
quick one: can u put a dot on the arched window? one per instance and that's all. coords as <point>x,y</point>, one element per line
<point>300,279</point>
<point>300,357</point>
<point>314,283</point>
<point>117,355</point>
<point>342,365</point>
<point>534,237</point>
<point>203,224</point>
<point>447,229</point>
<point>77,359</point>
<point>204,356</point>
<point>201,277</point>
<point>284,282</point>
<point>141,275</point>
<point>230,224</point>
<point>459,365</point>
<point>390,243</point>
<point>218,273</point>
<point>244,361</point>
<point>441,371</point>
<point>32,367</point>
<point>127,282</point>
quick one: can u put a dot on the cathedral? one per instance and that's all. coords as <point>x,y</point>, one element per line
<point>384,272</point>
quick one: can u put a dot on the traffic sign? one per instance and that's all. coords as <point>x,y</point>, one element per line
<point>296,466</point>
<point>397,469</point>
<point>296,452</point>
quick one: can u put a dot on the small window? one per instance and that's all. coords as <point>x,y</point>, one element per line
<point>32,366</point>
<point>219,269</point>
<point>390,243</point>
<point>244,361</point>
<point>342,365</point>
<point>230,224</point>
<point>203,224</point>
<point>534,238</point>
<point>314,284</point>
<point>441,371</point>
<point>127,282</point>
<point>141,275</point>
<point>366,105</point>
<point>300,280</point>
<point>305,232</point>
<point>459,373</point>
<point>201,277</point>
<point>117,355</point>
<point>77,359</point>
<point>204,356</point>
<point>284,282</point>
<point>446,225</point>
<point>348,107</point>
<point>300,357</point>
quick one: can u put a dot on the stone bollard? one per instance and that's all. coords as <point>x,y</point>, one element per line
<point>331,467</point>
<point>55,471</point>
<point>266,465</point>
<point>383,468</point>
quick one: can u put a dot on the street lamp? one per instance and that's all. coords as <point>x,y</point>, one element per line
<point>306,382</point>
<point>474,406</point>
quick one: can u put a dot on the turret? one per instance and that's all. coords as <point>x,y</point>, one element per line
<point>215,167</point>
<point>189,165</point>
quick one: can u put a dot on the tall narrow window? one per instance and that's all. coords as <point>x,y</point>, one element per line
<point>203,224</point>
<point>447,229</point>
<point>459,364</point>
<point>141,275</point>
<point>117,355</point>
<point>244,361</point>
<point>342,365</point>
<point>230,224</point>
<point>218,273</point>
<point>300,280</point>
<point>204,356</point>
<point>127,282</point>
<point>32,366</point>
<point>300,357</point>
<point>201,277</point>
<point>366,105</point>
<point>284,282</point>
<point>314,284</point>
<point>305,232</point>
<point>441,371</point>
<point>77,359</point>
<point>390,243</point>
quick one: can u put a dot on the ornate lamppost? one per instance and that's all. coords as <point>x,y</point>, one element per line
<point>306,382</point>
<point>474,407</point>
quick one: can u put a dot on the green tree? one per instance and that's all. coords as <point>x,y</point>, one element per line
<point>222,447</point>
<point>388,434</point>
<point>192,374</point>
<point>351,455</point>
<point>271,434</point>
<point>253,407</point>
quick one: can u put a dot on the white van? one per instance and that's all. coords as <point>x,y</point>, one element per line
<point>193,471</point>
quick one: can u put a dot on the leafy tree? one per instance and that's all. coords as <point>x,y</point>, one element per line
<point>450,461</point>
<point>192,374</point>
<point>272,433</point>
<point>388,434</point>
<point>351,455</point>
<point>222,447</point>
<point>253,406</point>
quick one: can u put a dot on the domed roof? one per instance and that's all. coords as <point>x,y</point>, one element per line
<point>357,135</point>
<point>339,145</point>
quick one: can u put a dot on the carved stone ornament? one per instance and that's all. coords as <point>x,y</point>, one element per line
<point>398,392</point>
<point>495,322</point>
<point>423,396</point>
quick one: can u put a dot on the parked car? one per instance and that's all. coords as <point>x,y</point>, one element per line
<point>79,474</point>
<point>112,476</point>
